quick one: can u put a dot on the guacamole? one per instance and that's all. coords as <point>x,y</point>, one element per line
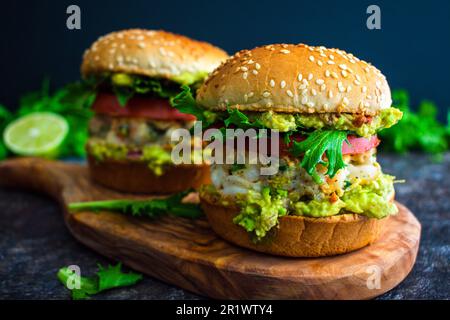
<point>155,156</point>
<point>260,211</point>
<point>285,122</point>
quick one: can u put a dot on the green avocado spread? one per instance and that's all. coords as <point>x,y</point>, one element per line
<point>185,78</point>
<point>260,210</point>
<point>345,121</point>
<point>155,156</point>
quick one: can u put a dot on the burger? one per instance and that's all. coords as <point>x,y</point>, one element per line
<point>135,73</point>
<point>329,195</point>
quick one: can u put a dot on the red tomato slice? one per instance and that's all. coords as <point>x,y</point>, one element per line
<point>139,107</point>
<point>357,144</point>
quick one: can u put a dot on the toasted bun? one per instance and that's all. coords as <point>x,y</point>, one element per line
<point>297,236</point>
<point>150,53</point>
<point>136,177</point>
<point>296,79</point>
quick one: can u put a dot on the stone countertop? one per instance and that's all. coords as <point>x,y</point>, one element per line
<point>34,242</point>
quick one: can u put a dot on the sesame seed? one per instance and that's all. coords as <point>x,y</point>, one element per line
<point>330,62</point>
<point>266,94</point>
<point>345,101</point>
<point>327,73</point>
<point>285,51</point>
<point>255,72</point>
<point>334,75</point>
<point>310,76</point>
<point>319,81</point>
<point>302,86</point>
<point>245,75</point>
<point>311,58</point>
<point>244,68</point>
<point>272,83</point>
<point>349,88</point>
<point>141,45</point>
<point>364,89</point>
<point>344,73</point>
<point>313,92</point>
<point>289,93</point>
<point>282,84</point>
<point>331,57</point>
<point>343,66</point>
<point>356,82</point>
<point>323,87</point>
<point>299,77</point>
<point>304,92</point>
<point>304,100</point>
<point>257,66</point>
<point>330,94</point>
<point>310,104</point>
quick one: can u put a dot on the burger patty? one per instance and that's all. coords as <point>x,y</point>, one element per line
<point>134,131</point>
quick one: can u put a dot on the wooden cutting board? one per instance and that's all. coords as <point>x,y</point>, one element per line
<point>187,253</point>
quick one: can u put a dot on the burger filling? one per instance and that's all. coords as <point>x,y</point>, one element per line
<point>134,120</point>
<point>359,188</point>
<point>327,166</point>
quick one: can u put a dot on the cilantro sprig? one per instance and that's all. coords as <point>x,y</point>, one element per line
<point>152,208</point>
<point>143,85</point>
<point>106,278</point>
<point>315,145</point>
<point>417,130</point>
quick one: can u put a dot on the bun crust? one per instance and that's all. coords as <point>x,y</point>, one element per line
<point>136,177</point>
<point>297,236</point>
<point>150,53</point>
<point>296,79</point>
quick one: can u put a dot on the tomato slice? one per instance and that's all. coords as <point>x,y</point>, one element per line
<point>139,107</point>
<point>356,144</point>
<point>359,145</point>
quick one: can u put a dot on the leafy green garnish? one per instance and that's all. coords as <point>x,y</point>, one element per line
<point>185,103</point>
<point>152,208</point>
<point>130,85</point>
<point>105,279</point>
<point>416,131</point>
<point>241,120</point>
<point>320,142</point>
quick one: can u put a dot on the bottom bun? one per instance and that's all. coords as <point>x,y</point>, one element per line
<point>297,236</point>
<point>136,177</point>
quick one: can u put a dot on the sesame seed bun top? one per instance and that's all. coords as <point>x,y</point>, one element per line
<point>150,53</point>
<point>296,79</point>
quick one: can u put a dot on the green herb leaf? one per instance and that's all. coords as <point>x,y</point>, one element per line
<point>320,142</point>
<point>123,95</point>
<point>153,208</point>
<point>113,277</point>
<point>241,120</point>
<point>416,131</point>
<point>107,278</point>
<point>185,102</point>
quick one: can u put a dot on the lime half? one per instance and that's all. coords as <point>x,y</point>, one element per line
<point>36,134</point>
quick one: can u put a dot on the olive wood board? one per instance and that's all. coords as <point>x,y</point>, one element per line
<point>186,253</point>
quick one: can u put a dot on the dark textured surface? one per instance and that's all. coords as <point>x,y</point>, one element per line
<point>34,242</point>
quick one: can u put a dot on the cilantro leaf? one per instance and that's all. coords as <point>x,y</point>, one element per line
<point>241,120</point>
<point>185,102</point>
<point>113,277</point>
<point>152,208</point>
<point>416,131</point>
<point>320,142</point>
<point>106,278</point>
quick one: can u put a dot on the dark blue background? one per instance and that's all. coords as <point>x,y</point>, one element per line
<point>412,49</point>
